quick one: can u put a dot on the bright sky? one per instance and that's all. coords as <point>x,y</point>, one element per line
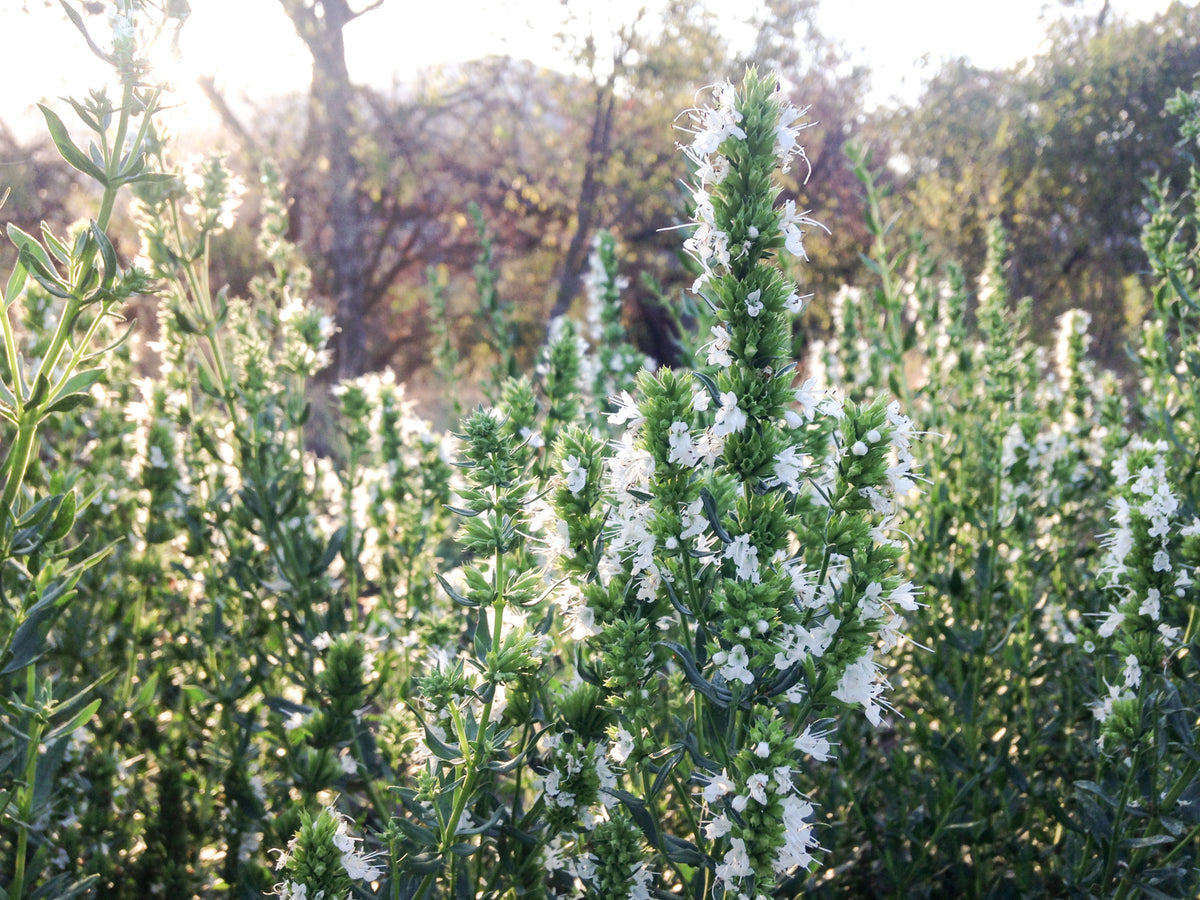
<point>249,45</point>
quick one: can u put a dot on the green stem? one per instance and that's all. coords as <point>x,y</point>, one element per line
<point>29,776</point>
<point>1114,843</point>
<point>15,465</point>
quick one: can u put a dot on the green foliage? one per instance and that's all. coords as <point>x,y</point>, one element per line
<point>613,639</point>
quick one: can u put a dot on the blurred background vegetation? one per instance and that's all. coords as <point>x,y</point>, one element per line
<point>380,180</point>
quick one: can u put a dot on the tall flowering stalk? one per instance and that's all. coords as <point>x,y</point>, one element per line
<point>745,563</point>
<point>1141,824</point>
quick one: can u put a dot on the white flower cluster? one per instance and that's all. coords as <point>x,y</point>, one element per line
<point>760,789</point>
<point>358,865</point>
<point>568,762</point>
<point>1156,503</point>
<point>214,193</point>
<point>711,127</point>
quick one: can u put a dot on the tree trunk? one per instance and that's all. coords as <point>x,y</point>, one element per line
<point>319,24</point>
<point>599,144</point>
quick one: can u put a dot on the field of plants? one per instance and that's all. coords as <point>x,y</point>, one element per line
<point>906,611</point>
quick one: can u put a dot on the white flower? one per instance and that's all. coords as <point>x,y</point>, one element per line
<point>858,684</point>
<point>1152,605</point>
<point>797,302</point>
<point>1111,623</point>
<point>808,399</point>
<point>745,558</point>
<point>576,474</point>
<point>621,746</point>
<point>1133,672</point>
<point>736,864</point>
<point>815,745</point>
<point>736,666</point>
<point>730,417</point>
<point>718,827</point>
<point>798,836</point>
<point>756,784</point>
<point>718,348</point>
<point>790,222</point>
<point>903,596</point>
<point>754,303</point>
<point>683,449</point>
<point>627,411</point>
<point>717,787</point>
<point>788,466</point>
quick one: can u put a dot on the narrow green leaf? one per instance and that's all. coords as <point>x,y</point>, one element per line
<point>152,178</point>
<point>491,823</point>
<point>82,382</point>
<point>77,21</point>
<point>64,519</point>
<point>714,515</point>
<point>71,153</point>
<point>85,114</point>
<point>1181,289</point>
<point>52,286</point>
<point>27,242</point>
<point>65,403</point>
<point>57,248</point>
<point>331,550</point>
<point>28,642</point>
<point>107,253</point>
<point>680,851</point>
<point>41,388</point>
<point>16,284</point>
<point>7,398</point>
<point>718,695</point>
<point>74,722</point>
<point>1137,843</point>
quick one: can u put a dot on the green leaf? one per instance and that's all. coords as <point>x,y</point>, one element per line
<point>71,153</point>
<point>65,403</point>
<point>331,550</point>
<point>1156,840</point>
<point>60,887</point>
<point>7,398</point>
<point>16,284</point>
<point>455,595</point>
<point>77,21</point>
<point>74,722</point>
<point>64,519</point>
<point>57,248</point>
<point>146,695</point>
<point>491,823</point>
<point>151,178</point>
<point>107,253</point>
<point>82,382</point>
<point>718,695</point>
<point>680,851</point>
<point>714,515</point>
<point>41,388</point>
<point>1181,289</point>
<point>40,260</point>
<point>29,640</point>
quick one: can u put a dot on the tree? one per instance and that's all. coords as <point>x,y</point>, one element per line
<point>1058,152</point>
<point>319,23</point>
